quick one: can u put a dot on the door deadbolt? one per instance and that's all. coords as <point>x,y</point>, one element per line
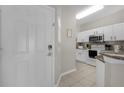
<point>49,47</point>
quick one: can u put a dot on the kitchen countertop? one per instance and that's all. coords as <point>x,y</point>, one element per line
<point>112,54</point>
<point>100,57</point>
<point>82,49</point>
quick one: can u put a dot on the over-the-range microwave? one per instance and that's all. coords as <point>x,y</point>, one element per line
<point>96,38</point>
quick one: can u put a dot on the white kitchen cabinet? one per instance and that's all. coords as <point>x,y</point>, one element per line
<point>94,31</point>
<point>86,36</point>
<point>83,37</point>
<point>81,55</point>
<point>91,32</point>
<point>111,33</point>
<point>78,54</point>
<point>114,32</point>
<point>108,33</point>
<point>100,31</point>
<point>114,72</point>
<point>110,72</point>
<point>79,37</point>
<point>118,31</point>
<point>100,73</point>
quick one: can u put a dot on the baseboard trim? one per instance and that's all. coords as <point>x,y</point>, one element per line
<point>62,74</point>
<point>69,71</point>
<point>58,81</point>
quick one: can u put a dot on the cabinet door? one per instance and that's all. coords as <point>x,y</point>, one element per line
<point>94,31</point>
<point>100,74</point>
<point>90,32</point>
<point>79,37</point>
<point>86,36</point>
<point>100,31</point>
<point>84,56</point>
<point>108,33</point>
<point>78,55</point>
<point>82,36</point>
<point>118,33</point>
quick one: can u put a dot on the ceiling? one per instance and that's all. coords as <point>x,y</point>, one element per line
<point>109,9</point>
<point>76,8</point>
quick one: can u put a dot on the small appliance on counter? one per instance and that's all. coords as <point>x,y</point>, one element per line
<point>88,46</point>
<point>116,48</point>
<point>109,47</point>
<point>80,47</point>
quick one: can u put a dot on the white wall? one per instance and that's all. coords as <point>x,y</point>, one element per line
<point>68,44</point>
<point>58,44</point>
<point>65,47</point>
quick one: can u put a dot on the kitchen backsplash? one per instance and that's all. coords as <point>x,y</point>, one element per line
<point>120,43</point>
<point>108,43</point>
<point>115,42</point>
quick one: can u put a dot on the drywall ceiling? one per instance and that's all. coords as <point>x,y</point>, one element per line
<point>108,10</point>
<point>75,8</point>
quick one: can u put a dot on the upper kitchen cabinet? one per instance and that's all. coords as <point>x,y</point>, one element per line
<point>79,37</point>
<point>90,32</point>
<point>86,36</point>
<point>108,33</point>
<point>118,31</point>
<point>100,31</point>
<point>111,33</point>
<point>114,32</point>
<point>83,36</point>
<point>94,31</point>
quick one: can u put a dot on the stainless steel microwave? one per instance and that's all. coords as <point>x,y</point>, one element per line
<point>96,38</point>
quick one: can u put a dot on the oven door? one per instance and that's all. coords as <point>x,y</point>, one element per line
<point>92,53</point>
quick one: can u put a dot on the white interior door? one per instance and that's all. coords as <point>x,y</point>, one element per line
<point>27,46</point>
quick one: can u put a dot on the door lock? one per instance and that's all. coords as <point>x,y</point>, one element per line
<point>49,47</point>
<point>50,50</point>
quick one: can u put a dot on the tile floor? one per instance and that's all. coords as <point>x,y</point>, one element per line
<point>84,77</point>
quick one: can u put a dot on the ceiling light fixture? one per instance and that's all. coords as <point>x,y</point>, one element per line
<point>89,11</point>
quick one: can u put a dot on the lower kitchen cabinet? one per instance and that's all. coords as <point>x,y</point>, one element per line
<point>82,55</point>
<point>100,73</point>
<point>110,73</point>
<point>115,74</point>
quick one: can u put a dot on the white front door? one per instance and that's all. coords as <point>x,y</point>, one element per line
<point>27,46</point>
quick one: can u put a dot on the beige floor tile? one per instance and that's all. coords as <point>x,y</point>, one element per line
<point>83,83</point>
<point>83,77</point>
<point>91,77</point>
<point>67,81</point>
